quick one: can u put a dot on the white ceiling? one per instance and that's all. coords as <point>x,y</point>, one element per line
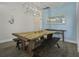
<point>42,5</point>
<point>35,7</point>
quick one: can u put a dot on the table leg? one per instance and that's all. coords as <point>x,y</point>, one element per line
<point>63,36</point>
<point>63,40</point>
<point>30,48</point>
<point>23,44</point>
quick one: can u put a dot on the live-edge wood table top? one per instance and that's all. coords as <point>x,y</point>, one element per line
<point>33,35</point>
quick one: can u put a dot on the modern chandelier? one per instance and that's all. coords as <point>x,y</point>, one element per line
<point>29,8</point>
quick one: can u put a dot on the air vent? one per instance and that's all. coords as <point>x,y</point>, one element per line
<point>46,8</point>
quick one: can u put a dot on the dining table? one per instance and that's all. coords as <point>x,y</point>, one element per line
<point>33,38</point>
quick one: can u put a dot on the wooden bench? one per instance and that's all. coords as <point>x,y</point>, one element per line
<point>18,42</point>
<point>46,43</point>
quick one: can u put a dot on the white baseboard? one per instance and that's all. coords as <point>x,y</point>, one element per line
<point>2,41</point>
<point>66,40</point>
<point>70,41</point>
<point>77,49</point>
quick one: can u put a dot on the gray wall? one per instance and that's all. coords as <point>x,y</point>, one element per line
<point>23,22</point>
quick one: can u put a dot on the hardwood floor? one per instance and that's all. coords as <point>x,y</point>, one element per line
<point>8,49</point>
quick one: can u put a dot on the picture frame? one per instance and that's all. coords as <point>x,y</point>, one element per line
<point>56,20</point>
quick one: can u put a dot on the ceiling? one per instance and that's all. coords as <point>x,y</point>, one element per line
<point>39,5</point>
<point>34,7</point>
<point>44,5</point>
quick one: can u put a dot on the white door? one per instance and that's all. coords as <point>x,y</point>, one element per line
<point>77,21</point>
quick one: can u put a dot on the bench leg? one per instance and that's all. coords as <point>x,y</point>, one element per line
<point>17,45</point>
<point>58,45</point>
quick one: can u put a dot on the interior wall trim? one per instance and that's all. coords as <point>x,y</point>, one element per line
<point>3,41</point>
<point>70,41</point>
